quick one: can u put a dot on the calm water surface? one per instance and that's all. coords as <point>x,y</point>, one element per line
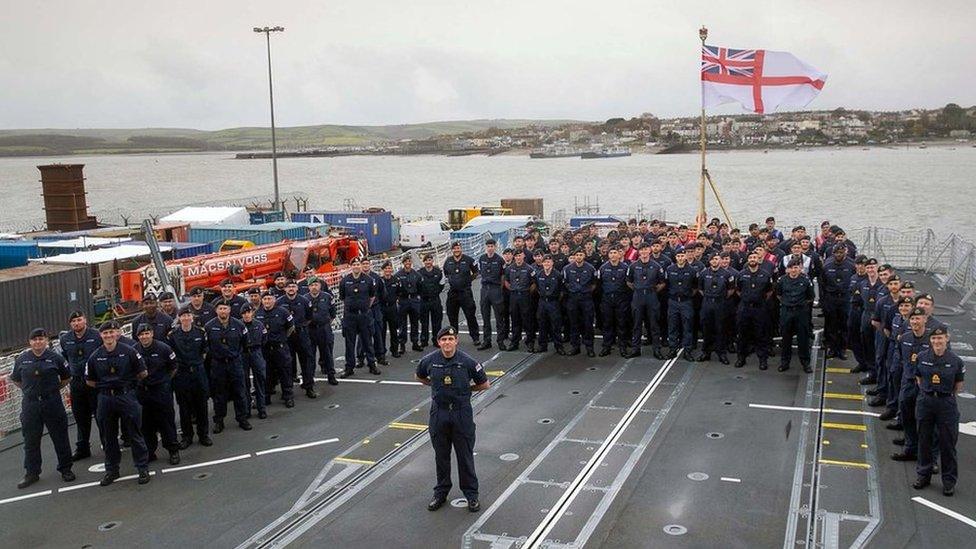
<point>933,187</point>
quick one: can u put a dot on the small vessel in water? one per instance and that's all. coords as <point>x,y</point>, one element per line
<point>607,152</point>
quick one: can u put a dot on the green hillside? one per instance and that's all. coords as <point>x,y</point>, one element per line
<point>56,141</point>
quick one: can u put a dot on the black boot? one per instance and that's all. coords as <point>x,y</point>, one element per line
<point>723,358</point>
<point>28,480</point>
<point>605,351</point>
<point>333,380</point>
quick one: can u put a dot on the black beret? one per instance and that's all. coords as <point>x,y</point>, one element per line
<point>895,278</point>
<point>908,284</point>
<point>940,331</point>
<point>447,331</point>
<point>917,311</point>
<point>254,291</point>
<point>184,311</point>
<point>75,314</point>
<point>108,325</point>
<point>149,296</point>
<point>246,308</point>
<point>861,260</point>
<point>457,244</point>
<point>291,282</point>
<point>279,274</point>
<point>38,332</point>
<point>872,261</point>
<point>227,282</point>
<point>144,327</point>
<point>906,299</point>
<point>166,295</point>
<point>924,296</point>
<point>196,291</point>
<point>267,293</point>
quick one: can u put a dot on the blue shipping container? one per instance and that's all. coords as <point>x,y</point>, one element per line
<point>260,218</point>
<point>268,233</point>
<point>15,253</point>
<point>183,250</point>
<point>375,227</point>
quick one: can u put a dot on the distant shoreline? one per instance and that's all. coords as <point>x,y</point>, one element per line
<point>688,148</point>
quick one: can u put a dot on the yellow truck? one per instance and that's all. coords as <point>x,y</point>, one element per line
<point>457,217</point>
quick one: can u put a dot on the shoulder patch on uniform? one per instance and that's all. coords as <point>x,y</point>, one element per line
<point>478,367</point>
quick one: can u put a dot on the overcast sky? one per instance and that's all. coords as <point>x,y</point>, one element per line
<point>183,63</point>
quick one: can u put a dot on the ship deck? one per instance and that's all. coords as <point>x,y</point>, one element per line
<point>604,452</point>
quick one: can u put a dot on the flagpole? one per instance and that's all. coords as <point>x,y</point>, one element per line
<point>702,34</point>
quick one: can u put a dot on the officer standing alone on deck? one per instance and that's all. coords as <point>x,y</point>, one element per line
<point>460,271</point>
<point>939,375</point>
<point>41,373</point>
<point>452,376</point>
<point>115,370</point>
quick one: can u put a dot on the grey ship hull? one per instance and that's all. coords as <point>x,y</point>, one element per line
<point>713,457</point>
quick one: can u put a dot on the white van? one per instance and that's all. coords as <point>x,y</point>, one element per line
<point>418,234</point>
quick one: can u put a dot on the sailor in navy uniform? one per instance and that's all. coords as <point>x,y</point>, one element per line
<point>41,373</point>
<point>452,376</point>
<point>939,374</point>
<point>77,344</point>
<point>115,369</point>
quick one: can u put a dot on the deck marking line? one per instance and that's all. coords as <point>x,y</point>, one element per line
<point>826,410</point>
<point>494,373</point>
<point>945,511</point>
<point>206,463</point>
<point>731,479</point>
<point>538,536</point>
<point>844,396</point>
<point>26,496</point>
<point>838,371</point>
<point>295,447</point>
<point>408,426</point>
<point>343,459</point>
<point>858,464</point>
<point>78,486</point>
<point>395,382</point>
<point>845,426</point>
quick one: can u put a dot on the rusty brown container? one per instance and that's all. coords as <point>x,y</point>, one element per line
<point>65,205</point>
<point>524,206</point>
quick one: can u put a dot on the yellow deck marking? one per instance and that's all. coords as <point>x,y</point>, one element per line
<point>844,396</point>
<point>366,441</point>
<point>494,373</point>
<point>838,371</point>
<point>845,426</point>
<point>858,464</point>
<point>864,446</point>
<point>354,460</point>
<point>408,426</point>
<point>826,442</point>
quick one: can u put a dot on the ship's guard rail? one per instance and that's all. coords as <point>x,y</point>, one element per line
<point>951,258</point>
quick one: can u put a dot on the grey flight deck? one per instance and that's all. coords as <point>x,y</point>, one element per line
<point>715,456</point>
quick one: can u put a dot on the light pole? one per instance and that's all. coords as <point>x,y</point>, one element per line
<point>274,144</point>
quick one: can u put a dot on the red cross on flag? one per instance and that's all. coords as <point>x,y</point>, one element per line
<point>759,80</point>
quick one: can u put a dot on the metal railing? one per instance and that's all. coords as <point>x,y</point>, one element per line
<point>951,259</point>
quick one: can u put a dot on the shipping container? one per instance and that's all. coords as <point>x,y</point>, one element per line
<point>524,206</point>
<point>182,250</point>
<point>270,216</point>
<point>41,296</point>
<point>69,246</point>
<point>15,253</point>
<point>269,233</point>
<point>171,232</point>
<point>375,226</point>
